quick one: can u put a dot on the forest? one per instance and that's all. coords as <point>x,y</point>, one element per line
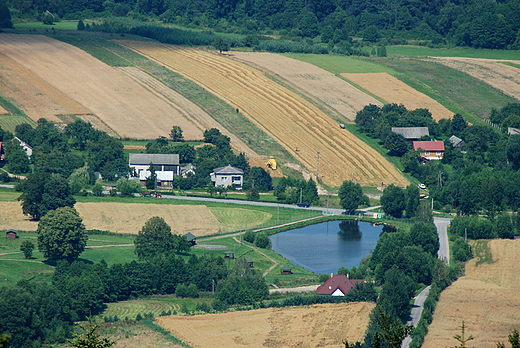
<point>479,24</point>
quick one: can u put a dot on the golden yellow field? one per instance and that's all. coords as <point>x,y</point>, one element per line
<point>130,218</point>
<point>3,111</point>
<point>320,84</point>
<point>487,298</point>
<point>325,325</point>
<point>392,90</point>
<point>289,119</point>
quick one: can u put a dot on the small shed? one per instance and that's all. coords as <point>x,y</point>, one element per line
<point>190,238</point>
<point>229,255</point>
<point>11,234</point>
<point>286,269</point>
<point>249,262</point>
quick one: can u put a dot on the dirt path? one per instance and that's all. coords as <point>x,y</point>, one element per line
<point>275,263</point>
<point>308,288</point>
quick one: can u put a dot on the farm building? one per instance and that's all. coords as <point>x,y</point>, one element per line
<point>411,133</point>
<point>456,142</point>
<point>166,167</point>
<point>338,285</point>
<point>229,255</point>
<point>190,238</point>
<point>26,147</point>
<point>431,150</point>
<point>11,234</point>
<point>227,176</point>
<point>190,168</point>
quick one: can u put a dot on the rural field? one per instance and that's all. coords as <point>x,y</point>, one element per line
<point>503,77</point>
<point>393,90</point>
<point>131,217</point>
<point>80,84</point>
<point>318,83</point>
<point>487,299</point>
<point>325,325</point>
<point>289,119</point>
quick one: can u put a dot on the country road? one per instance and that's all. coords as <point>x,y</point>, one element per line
<point>443,254</point>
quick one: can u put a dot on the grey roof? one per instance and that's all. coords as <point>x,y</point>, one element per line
<point>188,168</point>
<point>228,170</point>
<point>411,132</point>
<point>145,158</point>
<point>285,268</point>
<point>455,141</point>
<point>189,237</point>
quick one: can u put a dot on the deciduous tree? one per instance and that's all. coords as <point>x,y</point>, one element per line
<point>27,248</point>
<point>62,235</point>
<point>155,238</point>
<point>350,195</point>
<point>176,134</point>
<point>393,201</point>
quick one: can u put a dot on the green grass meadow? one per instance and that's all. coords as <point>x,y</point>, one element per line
<point>420,51</point>
<point>63,25</point>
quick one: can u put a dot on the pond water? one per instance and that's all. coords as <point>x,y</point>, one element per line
<point>324,247</point>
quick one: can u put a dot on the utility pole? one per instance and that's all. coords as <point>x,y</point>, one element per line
<point>299,160</point>
<point>278,214</point>
<point>301,189</point>
<point>318,168</point>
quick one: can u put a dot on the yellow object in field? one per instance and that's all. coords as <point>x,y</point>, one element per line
<point>271,163</point>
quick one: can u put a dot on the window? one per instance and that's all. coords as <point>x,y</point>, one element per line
<point>427,153</point>
<point>169,168</point>
<point>235,178</point>
<point>224,178</point>
<point>438,153</point>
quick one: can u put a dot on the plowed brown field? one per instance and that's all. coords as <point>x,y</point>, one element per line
<point>320,84</point>
<point>487,299</point>
<point>81,84</point>
<point>392,90</point>
<point>503,77</point>
<point>325,325</point>
<point>282,114</point>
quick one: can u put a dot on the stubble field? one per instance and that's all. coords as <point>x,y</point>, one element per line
<point>318,83</point>
<point>80,84</point>
<point>283,115</point>
<point>394,91</point>
<point>487,299</point>
<point>131,217</point>
<point>325,325</point>
<point>503,77</point>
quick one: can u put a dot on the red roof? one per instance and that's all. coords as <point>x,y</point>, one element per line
<point>429,145</point>
<point>339,281</point>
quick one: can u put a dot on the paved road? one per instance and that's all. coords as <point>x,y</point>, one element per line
<point>6,186</point>
<point>443,254</point>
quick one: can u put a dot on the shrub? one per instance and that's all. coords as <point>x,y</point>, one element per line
<point>262,241</point>
<point>138,317</point>
<point>181,290</point>
<point>249,236</point>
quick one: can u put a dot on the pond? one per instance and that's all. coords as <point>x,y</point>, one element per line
<point>324,247</point>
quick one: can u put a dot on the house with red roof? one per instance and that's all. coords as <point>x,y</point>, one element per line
<point>431,150</point>
<point>338,285</point>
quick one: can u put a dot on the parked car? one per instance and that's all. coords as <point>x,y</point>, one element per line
<point>422,186</point>
<point>303,205</point>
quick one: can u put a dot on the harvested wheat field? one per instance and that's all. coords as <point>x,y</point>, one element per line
<point>503,77</point>
<point>3,111</point>
<point>320,84</point>
<point>283,115</point>
<point>487,299</point>
<point>81,84</point>
<point>12,217</point>
<point>392,90</point>
<point>325,325</point>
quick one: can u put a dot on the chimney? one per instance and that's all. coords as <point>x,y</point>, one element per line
<point>347,276</point>
<point>332,275</point>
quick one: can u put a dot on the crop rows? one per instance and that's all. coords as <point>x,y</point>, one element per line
<point>130,309</point>
<point>289,119</point>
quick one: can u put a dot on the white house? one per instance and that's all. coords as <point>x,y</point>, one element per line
<point>227,176</point>
<point>26,147</point>
<point>166,167</point>
<point>190,168</point>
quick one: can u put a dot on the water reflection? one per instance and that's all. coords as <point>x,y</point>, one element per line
<point>349,230</point>
<point>324,247</point>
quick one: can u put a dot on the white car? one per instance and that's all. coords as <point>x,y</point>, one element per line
<point>422,186</point>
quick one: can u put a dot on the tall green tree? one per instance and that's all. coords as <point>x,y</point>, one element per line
<point>27,248</point>
<point>176,134</point>
<point>156,238</point>
<point>393,201</point>
<point>5,17</point>
<point>16,157</point>
<point>62,235</point>
<point>412,200</point>
<point>425,235</point>
<point>350,195</point>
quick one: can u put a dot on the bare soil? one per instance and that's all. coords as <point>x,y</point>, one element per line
<point>325,325</point>
<point>503,77</point>
<point>82,85</point>
<point>318,83</point>
<point>286,117</point>
<point>392,90</point>
<point>487,298</point>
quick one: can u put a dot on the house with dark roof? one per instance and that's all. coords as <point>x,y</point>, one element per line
<point>431,150</point>
<point>338,285</point>
<point>456,142</point>
<point>190,237</point>
<point>411,133</point>
<point>227,176</point>
<point>166,167</point>
<point>285,269</point>
<point>11,234</point>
